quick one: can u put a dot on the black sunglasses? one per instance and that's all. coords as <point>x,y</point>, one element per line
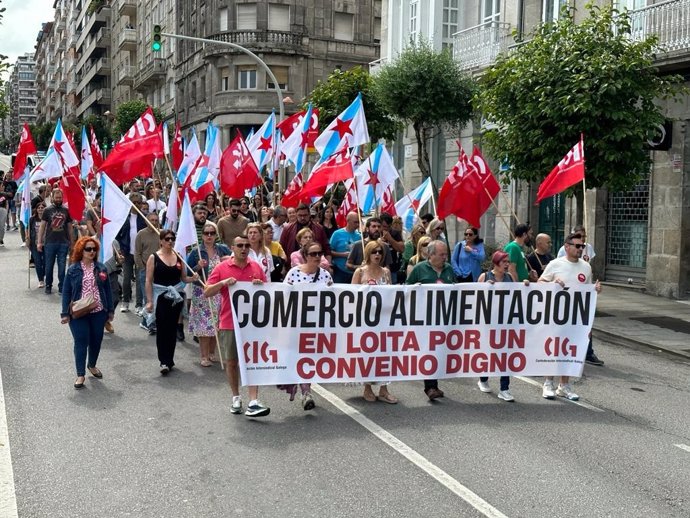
<point>209,233</point>
<point>578,246</point>
<point>169,238</point>
<point>469,233</point>
<point>377,252</point>
<point>90,249</point>
<point>315,254</point>
<point>242,245</point>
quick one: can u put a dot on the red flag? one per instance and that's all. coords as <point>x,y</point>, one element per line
<point>200,195</point>
<point>292,198</point>
<point>134,154</point>
<point>74,195</point>
<point>569,171</point>
<point>337,168</point>
<point>287,126</point>
<point>238,171</point>
<point>26,147</point>
<point>95,150</point>
<point>449,200</point>
<point>177,153</point>
<point>388,203</point>
<point>348,205</point>
<point>490,186</point>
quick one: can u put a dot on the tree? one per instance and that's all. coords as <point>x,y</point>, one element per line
<point>4,108</point>
<point>101,128</point>
<point>569,79</point>
<point>335,94</point>
<point>427,89</point>
<point>128,113</point>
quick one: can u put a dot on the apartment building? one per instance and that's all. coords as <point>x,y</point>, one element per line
<point>640,236</point>
<point>302,41</point>
<point>22,93</point>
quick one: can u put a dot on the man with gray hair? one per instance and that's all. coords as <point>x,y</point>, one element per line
<point>435,270</point>
<point>278,221</point>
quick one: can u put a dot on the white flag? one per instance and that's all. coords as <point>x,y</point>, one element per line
<point>115,207</point>
<point>186,231</point>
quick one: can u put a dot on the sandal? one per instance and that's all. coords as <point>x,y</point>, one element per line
<point>369,396</point>
<point>95,372</point>
<point>205,362</point>
<point>388,398</point>
<point>212,358</point>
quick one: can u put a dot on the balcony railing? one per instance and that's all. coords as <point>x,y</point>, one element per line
<point>375,66</point>
<point>478,46</point>
<point>126,6</point>
<point>151,72</point>
<point>272,37</point>
<point>127,37</point>
<point>125,74</point>
<point>670,21</point>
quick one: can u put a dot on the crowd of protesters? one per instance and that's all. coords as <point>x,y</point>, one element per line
<point>253,240</point>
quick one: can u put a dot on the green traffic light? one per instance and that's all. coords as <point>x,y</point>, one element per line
<point>156,39</point>
<point>156,46</point>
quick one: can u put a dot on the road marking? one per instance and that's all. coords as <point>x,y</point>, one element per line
<point>8,499</point>
<point>578,403</point>
<point>683,447</point>
<point>403,449</point>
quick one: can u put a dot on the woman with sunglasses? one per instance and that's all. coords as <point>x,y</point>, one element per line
<point>436,229</point>
<point>165,278</point>
<point>203,311</point>
<point>307,273</point>
<point>468,256</point>
<point>421,255</point>
<point>499,273</point>
<point>87,279</point>
<point>374,274</point>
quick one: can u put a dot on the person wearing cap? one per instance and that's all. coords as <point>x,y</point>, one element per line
<point>499,273</point>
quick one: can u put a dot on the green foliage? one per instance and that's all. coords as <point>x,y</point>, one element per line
<point>570,79</point>
<point>427,89</point>
<point>101,128</point>
<point>42,133</point>
<point>128,113</point>
<point>332,96</point>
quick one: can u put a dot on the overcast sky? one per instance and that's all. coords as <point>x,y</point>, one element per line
<point>20,25</point>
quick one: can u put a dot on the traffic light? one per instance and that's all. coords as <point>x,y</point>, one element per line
<point>156,41</point>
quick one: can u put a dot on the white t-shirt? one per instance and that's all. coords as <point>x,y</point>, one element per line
<point>587,254</point>
<point>156,205</point>
<point>264,260</point>
<point>573,274</point>
<point>277,229</point>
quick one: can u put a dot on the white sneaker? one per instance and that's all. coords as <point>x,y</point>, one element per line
<point>236,407</point>
<point>505,395</point>
<point>548,391</point>
<point>484,386</point>
<point>566,391</point>
<point>125,307</point>
<point>138,311</point>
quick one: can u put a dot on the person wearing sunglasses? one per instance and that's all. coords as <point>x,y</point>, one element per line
<point>588,254</point>
<point>307,273</point>
<point>86,279</point>
<point>468,256</point>
<point>203,311</point>
<point>165,278</point>
<point>374,274</point>
<point>568,271</point>
<point>236,268</point>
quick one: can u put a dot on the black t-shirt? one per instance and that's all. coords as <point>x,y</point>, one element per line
<point>538,262</point>
<point>7,192</point>
<point>57,219</point>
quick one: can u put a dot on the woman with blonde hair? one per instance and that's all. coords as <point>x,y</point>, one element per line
<point>258,251</point>
<point>421,255</point>
<point>304,238</point>
<point>373,273</point>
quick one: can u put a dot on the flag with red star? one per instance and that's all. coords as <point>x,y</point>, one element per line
<point>348,205</point>
<point>295,146</point>
<point>86,156</point>
<point>408,206</point>
<point>289,124</point>
<point>374,177</point>
<point>261,144</point>
<point>348,129</point>
<point>115,207</point>
<point>336,169</point>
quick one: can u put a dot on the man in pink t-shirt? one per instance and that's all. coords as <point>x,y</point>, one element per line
<point>238,268</point>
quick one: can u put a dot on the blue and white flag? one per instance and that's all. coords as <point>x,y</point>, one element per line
<point>408,206</point>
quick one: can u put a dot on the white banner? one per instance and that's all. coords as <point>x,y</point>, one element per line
<point>309,334</point>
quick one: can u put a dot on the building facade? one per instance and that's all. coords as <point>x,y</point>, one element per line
<point>641,237</point>
<point>22,94</point>
<point>301,41</point>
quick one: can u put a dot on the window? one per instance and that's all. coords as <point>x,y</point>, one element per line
<point>202,89</point>
<point>282,74</point>
<point>491,11</point>
<point>278,17</point>
<point>246,78</point>
<point>377,29</point>
<point>225,79</point>
<point>450,18</point>
<point>192,92</point>
<point>343,26</point>
<point>223,19</point>
<point>246,17</point>
<point>413,20</point>
<point>551,10</point>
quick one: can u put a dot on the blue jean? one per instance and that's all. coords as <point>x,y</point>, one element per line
<point>52,252</point>
<point>87,332</point>
<point>39,262</point>
<point>505,381</point>
<point>141,287</point>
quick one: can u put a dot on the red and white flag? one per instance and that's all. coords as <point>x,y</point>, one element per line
<point>26,148</point>
<point>238,171</point>
<point>177,151</point>
<point>569,171</point>
<point>292,197</point>
<point>96,153</point>
<point>348,205</point>
<point>336,169</point>
<point>115,207</point>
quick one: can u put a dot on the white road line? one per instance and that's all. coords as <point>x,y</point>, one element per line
<point>578,403</point>
<point>403,449</point>
<point>8,500</point>
<point>683,447</point>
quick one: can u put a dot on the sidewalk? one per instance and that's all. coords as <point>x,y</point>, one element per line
<point>630,316</point>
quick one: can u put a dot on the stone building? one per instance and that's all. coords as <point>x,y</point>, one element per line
<point>640,236</point>
<point>302,41</point>
<point>22,94</point>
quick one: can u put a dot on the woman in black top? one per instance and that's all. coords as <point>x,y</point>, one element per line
<point>328,221</point>
<point>38,257</point>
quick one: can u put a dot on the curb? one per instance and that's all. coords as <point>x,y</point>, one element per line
<point>627,342</point>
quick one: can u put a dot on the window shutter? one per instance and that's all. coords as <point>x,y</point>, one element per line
<point>278,17</point>
<point>343,26</point>
<point>246,17</point>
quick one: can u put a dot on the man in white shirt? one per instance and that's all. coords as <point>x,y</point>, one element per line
<point>278,221</point>
<point>569,270</point>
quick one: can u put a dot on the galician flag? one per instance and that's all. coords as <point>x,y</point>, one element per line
<point>86,155</point>
<point>349,129</point>
<point>374,177</point>
<point>25,189</point>
<point>186,231</point>
<point>408,206</point>
<point>261,144</point>
<point>115,207</point>
<point>208,166</point>
<point>295,146</point>
<point>192,154</point>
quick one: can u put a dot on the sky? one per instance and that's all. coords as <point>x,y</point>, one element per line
<point>20,25</point>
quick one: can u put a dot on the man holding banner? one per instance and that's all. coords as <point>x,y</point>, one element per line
<point>568,271</point>
<point>237,268</point>
<point>435,270</point>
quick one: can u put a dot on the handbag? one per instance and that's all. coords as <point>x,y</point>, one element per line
<point>83,306</point>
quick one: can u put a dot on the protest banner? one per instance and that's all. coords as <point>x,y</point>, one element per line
<point>343,333</point>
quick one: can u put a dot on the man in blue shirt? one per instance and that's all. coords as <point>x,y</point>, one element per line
<point>342,241</point>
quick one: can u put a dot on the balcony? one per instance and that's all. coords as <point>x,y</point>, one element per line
<point>125,75</point>
<point>669,21</point>
<point>127,7</point>
<point>127,39</point>
<point>97,20</point>
<point>150,73</point>
<point>478,47</point>
<point>100,67</point>
<point>271,41</point>
<point>375,66</point>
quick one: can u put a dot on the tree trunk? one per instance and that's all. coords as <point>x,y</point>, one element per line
<point>420,134</point>
<point>579,207</point>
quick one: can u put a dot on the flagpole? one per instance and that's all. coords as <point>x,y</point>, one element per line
<point>510,206</point>
<point>498,212</point>
<point>584,205</point>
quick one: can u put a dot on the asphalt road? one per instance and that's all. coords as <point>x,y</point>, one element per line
<point>137,444</point>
